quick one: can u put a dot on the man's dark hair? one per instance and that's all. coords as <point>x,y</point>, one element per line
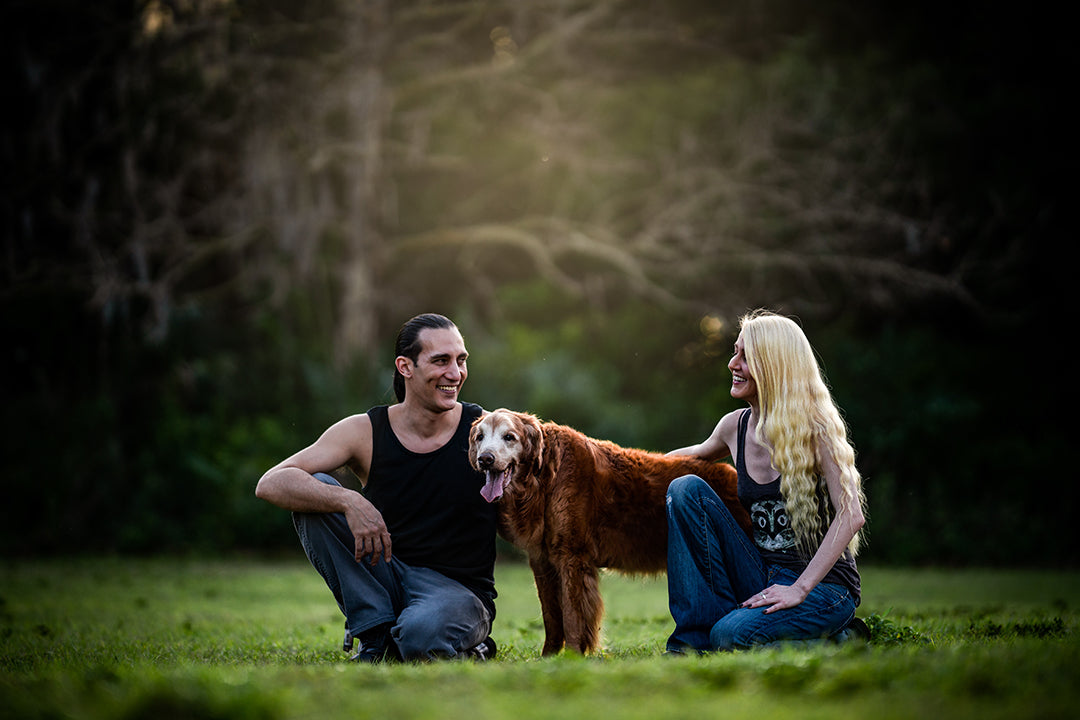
<point>408,343</point>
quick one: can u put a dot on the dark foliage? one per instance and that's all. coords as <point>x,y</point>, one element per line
<point>167,339</point>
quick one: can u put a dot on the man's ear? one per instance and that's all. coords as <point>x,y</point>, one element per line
<point>404,365</point>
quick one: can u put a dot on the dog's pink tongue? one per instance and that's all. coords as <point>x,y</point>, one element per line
<point>493,485</point>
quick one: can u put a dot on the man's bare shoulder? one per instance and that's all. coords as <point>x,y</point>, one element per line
<point>361,422</point>
<point>358,427</point>
<point>350,435</point>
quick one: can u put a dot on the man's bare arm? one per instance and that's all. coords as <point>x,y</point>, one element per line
<point>290,484</point>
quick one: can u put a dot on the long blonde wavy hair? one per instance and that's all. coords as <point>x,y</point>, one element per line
<point>797,416</point>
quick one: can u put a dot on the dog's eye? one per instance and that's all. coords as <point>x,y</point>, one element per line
<point>479,436</point>
<point>509,437</point>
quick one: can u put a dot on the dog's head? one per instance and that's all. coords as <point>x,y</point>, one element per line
<point>502,445</point>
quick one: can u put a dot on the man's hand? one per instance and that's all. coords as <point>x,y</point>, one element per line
<point>369,531</point>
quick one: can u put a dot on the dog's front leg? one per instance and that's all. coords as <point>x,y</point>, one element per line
<point>547,588</point>
<point>582,605</point>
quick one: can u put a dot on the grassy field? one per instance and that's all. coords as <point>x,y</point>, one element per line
<point>257,639</point>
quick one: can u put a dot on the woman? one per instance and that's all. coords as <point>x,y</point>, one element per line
<point>796,578</point>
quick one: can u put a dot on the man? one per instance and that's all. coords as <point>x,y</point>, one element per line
<point>410,559</point>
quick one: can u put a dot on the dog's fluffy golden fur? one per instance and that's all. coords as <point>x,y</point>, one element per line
<point>575,505</point>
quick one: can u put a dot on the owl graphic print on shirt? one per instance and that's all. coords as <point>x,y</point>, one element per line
<point>772,527</point>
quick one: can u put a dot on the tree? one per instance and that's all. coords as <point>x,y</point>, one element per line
<point>217,211</point>
<point>351,152</point>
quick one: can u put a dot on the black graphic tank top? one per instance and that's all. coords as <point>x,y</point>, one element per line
<point>773,534</point>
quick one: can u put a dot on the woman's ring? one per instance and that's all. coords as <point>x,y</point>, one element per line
<point>763,596</point>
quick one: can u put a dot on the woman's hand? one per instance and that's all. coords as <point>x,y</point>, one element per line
<point>776,597</point>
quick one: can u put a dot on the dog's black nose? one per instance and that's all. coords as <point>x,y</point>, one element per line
<point>485,460</point>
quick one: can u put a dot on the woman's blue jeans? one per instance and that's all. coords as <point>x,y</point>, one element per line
<point>713,567</point>
<point>430,614</point>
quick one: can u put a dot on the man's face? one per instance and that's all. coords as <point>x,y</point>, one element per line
<point>440,369</point>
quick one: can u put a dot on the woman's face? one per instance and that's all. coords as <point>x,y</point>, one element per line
<point>743,386</point>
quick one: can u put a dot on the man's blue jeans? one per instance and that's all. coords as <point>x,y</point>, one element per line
<point>713,567</point>
<point>431,615</point>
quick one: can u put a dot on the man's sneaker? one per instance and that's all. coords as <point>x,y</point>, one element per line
<point>375,645</point>
<point>371,654</point>
<point>486,650</point>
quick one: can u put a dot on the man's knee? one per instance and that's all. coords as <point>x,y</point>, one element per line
<point>419,641</point>
<point>442,630</point>
<point>325,478</point>
<point>302,521</point>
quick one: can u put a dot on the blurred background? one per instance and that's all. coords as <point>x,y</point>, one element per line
<point>216,214</point>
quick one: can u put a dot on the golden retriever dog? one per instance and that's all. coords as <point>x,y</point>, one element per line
<point>575,505</point>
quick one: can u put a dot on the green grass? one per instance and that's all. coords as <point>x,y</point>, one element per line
<point>234,639</point>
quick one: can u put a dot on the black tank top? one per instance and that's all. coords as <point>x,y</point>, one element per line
<point>773,534</point>
<point>432,506</point>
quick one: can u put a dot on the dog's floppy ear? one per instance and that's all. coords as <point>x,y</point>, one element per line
<point>533,439</point>
<point>472,440</point>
